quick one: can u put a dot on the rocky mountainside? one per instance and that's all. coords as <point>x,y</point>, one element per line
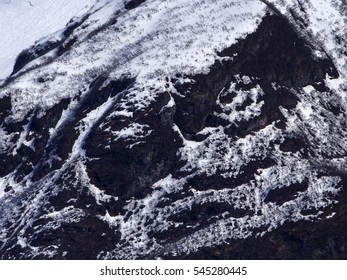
<point>211,129</point>
<point>25,21</point>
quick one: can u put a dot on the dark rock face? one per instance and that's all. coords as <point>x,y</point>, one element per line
<point>192,163</point>
<point>273,54</point>
<point>276,53</point>
<point>134,4</point>
<point>130,172</point>
<point>324,239</point>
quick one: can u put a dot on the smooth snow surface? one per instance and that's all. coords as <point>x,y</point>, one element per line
<point>22,22</point>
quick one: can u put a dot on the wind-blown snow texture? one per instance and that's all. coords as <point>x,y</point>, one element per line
<point>25,21</point>
<point>157,129</point>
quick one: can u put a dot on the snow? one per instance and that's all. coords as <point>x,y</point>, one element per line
<point>158,40</point>
<point>135,131</point>
<point>151,44</point>
<point>23,22</point>
<point>230,112</point>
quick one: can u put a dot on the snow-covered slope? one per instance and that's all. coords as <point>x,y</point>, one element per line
<point>162,129</point>
<point>23,22</point>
